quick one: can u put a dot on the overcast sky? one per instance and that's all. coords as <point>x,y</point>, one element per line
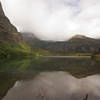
<point>55,19</point>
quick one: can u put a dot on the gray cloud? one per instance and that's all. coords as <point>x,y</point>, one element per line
<point>55,19</point>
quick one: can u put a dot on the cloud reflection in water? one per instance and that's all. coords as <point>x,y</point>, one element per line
<point>55,86</point>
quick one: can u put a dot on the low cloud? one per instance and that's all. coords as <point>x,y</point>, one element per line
<point>55,19</point>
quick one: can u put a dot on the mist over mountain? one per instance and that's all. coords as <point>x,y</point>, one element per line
<point>55,20</point>
<point>76,44</point>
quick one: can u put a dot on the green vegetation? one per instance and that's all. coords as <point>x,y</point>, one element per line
<point>11,49</point>
<point>42,52</point>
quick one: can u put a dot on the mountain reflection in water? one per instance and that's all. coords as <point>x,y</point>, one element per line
<point>49,79</point>
<point>55,86</point>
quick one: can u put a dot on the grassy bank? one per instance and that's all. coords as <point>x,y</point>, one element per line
<point>75,54</point>
<point>41,52</point>
<point>11,49</point>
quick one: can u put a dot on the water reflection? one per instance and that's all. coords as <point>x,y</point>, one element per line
<point>47,79</point>
<point>78,67</point>
<point>55,86</point>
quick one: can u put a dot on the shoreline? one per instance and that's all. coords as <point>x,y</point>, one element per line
<point>64,56</point>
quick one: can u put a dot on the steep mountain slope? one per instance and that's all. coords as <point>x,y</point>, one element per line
<point>77,44</point>
<point>11,41</point>
<point>7,30</point>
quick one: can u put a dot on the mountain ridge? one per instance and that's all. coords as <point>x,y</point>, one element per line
<point>79,36</point>
<point>79,44</point>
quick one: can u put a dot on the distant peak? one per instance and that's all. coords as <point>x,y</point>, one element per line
<point>79,36</point>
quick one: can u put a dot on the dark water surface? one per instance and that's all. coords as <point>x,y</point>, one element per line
<point>50,79</point>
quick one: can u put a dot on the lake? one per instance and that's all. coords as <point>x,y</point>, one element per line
<point>50,78</point>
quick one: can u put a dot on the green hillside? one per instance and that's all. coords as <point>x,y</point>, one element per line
<point>11,41</point>
<point>10,49</point>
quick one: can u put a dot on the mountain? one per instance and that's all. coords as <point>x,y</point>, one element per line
<point>76,44</point>
<point>11,41</point>
<point>79,37</point>
<point>7,30</point>
<point>29,38</point>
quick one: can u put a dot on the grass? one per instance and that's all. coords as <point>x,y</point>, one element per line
<point>42,52</point>
<point>11,49</point>
<point>75,54</point>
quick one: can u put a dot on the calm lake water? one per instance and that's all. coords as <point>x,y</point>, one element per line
<point>50,79</point>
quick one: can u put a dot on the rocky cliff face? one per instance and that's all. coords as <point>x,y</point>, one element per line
<point>1,10</point>
<point>7,30</point>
